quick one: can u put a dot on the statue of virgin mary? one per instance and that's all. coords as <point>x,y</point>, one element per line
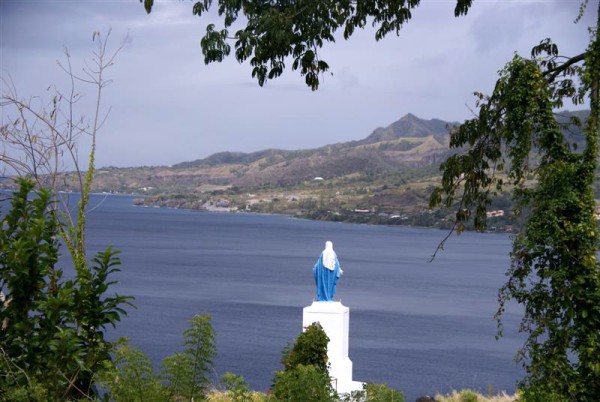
<point>327,271</point>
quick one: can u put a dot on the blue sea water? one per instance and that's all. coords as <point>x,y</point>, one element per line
<point>422,327</point>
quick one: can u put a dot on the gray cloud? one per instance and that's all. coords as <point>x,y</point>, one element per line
<point>168,107</point>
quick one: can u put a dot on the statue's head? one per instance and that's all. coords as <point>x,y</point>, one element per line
<point>328,245</point>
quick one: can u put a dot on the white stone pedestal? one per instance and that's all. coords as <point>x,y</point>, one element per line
<point>335,320</point>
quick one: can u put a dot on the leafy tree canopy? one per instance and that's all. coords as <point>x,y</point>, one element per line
<point>554,271</point>
<point>276,31</point>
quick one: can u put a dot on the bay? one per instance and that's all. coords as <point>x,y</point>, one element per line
<point>419,326</point>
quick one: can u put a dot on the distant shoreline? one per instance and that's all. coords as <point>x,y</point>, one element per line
<point>307,218</point>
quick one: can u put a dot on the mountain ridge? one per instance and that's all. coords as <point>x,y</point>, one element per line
<point>385,177</point>
<point>401,152</point>
<point>409,141</point>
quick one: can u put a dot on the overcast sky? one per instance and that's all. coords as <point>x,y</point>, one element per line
<point>168,107</point>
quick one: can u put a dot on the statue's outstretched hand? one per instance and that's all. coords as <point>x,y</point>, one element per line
<point>341,272</point>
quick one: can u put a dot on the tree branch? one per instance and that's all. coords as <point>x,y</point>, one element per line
<point>552,73</point>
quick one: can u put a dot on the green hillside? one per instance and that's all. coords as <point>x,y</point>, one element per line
<point>385,178</point>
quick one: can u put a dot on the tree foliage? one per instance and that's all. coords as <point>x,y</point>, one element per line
<point>275,31</point>
<point>375,393</point>
<point>53,338</point>
<point>52,330</point>
<point>131,377</point>
<point>236,388</point>
<point>554,271</point>
<point>305,376</point>
<point>310,348</point>
<point>187,373</point>
<point>303,383</point>
<point>184,375</point>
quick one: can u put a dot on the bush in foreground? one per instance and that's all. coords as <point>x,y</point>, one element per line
<point>184,375</point>
<point>374,393</point>
<point>51,329</point>
<point>467,395</point>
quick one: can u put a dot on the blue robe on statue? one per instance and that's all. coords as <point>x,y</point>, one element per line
<point>326,279</point>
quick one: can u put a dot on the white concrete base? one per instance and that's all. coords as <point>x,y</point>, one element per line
<point>335,320</point>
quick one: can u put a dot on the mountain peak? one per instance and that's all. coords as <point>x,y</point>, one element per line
<point>409,116</point>
<point>409,125</point>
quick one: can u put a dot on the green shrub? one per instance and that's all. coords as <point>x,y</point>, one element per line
<point>131,377</point>
<point>381,393</point>
<point>539,394</point>
<point>187,373</point>
<point>184,375</point>
<point>467,395</point>
<point>310,348</point>
<point>52,338</point>
<point>301,384</point>
<point>237,388</point>
<point>374,393</point>
<point>305,376</point>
